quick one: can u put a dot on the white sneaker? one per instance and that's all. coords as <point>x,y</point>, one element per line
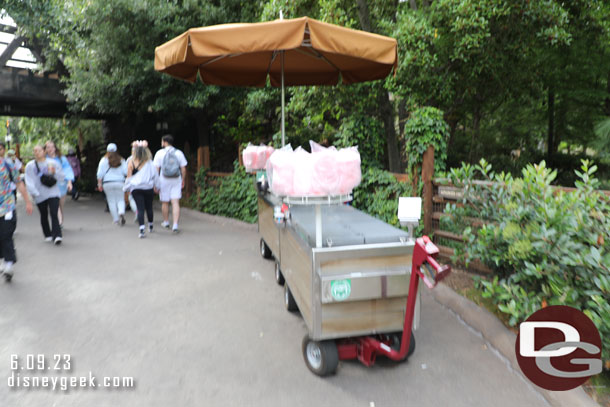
<point>48,239</point>
<point>57,241</point>
<point>165,224</point>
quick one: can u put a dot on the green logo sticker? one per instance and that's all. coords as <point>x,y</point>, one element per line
<point>340,289</point>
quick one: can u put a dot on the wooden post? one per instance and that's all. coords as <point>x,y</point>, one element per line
<point>427,174</point>
<point>203,160</point>
<point>203,157</point>
<point>188,184</point>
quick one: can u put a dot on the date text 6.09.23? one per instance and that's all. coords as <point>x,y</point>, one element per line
<point>40,362</point>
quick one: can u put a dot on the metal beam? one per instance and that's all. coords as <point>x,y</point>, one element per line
<point>10,50</point>
<point>8,29</point>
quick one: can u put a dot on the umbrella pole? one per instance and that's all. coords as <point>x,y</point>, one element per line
<point>283,97</point>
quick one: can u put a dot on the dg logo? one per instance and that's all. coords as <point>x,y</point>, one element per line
<point>559,348</point>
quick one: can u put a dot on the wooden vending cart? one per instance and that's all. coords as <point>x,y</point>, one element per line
<point>345,271</point>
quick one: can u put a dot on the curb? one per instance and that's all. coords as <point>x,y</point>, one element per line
<point>503,340</point>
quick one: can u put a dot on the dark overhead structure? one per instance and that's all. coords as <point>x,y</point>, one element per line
<point>22,91</point>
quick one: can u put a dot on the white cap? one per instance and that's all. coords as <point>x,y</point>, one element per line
<point>111,148</point>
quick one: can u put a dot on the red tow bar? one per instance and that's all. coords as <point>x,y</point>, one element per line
<point>424,266</point>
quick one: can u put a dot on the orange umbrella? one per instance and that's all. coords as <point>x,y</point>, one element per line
<point>300,51</point>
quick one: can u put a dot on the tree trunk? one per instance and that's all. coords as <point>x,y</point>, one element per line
<point>413,4</point>
<point>365,15</point>
<point>476,127</point>
<point>386,110</point>
<point>387,113</point>
<point>402,142</point>
<point>551,130</point>
<point>607,102</point>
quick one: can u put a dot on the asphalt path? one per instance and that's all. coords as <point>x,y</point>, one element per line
<point>196,319</point>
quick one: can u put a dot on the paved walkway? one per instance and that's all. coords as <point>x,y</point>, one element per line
<point>198,320</point>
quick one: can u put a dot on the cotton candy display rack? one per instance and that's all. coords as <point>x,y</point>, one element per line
<point>255,157</point>
<point>324,172</point>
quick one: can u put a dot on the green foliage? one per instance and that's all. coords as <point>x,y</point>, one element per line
<point>233,196</point>
<point>65,132</point>
<point>544,245</point>
<point>490,66</point>
<point>378,195</point>
<point>425,128</point>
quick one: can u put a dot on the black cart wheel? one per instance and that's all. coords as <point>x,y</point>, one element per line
<point>322,358</point>
<point>265,251</point>
<point>279,277</point>
<point>397,338</point>
<point>289,302</point>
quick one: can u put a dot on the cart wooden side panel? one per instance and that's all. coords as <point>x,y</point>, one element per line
<point>343,319</point>
<point>376,280</point>
<point>296,266</point>
<point>267,227</point>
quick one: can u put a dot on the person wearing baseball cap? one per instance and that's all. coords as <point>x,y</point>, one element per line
<point>111,173</point>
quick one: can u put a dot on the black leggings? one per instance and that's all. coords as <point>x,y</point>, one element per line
<point>144,201</point>
<point>49,208</point>
<point>7,228</point>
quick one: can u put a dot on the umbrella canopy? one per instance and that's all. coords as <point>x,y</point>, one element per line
<point>302,50</point>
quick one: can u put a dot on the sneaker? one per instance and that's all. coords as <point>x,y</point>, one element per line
<point>122,220</point>
<point>48,239</point>
<point>175,230</point>
<point>8,275</point>
<point>57,240</point>
<point>141,235</point>
<point>165,224</point>
<point>150,227</point>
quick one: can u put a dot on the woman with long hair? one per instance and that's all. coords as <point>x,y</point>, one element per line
<point>38,174</point>
<point>142,181</point>
<point>64,184</point>
<point>111,173</point>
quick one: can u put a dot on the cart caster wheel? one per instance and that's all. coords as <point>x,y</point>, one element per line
<point>397,338</point>
<point>265,251</point>
<point>289,302</point>
<point>322,358</point>
<point>279,277</point>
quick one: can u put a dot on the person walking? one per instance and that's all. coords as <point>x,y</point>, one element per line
<point>42,178</point>
<point>132,202</point>
<point>64,184</point>
<point>14,162</point>
<point>9,177</point>
<point>111,173</point>
<point>142,181</point>
<point>171,164</point>
<point>75,164</point>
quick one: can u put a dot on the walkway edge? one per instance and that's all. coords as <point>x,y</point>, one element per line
<point>503,340</point>
<point>219,219</point>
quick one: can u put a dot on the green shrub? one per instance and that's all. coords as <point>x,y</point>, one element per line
<point>426,127</point>
<point>378,194</point>
<point>545,246</point>
<point>233,196</point>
